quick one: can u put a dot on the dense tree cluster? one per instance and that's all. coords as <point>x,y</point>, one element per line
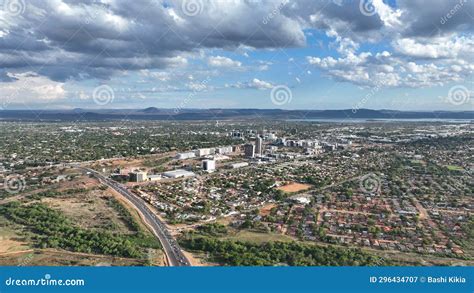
<point>124,214</point>
<point>213,229</point>
<point>54,230</point>
<point>234,253</point>
<point>62,193</point>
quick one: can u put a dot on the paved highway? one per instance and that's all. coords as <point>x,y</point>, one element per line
<point>170,246</point>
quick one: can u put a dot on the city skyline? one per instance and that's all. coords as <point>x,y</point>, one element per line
<point>400,55</point>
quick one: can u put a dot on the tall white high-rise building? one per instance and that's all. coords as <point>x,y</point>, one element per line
<point>259,146</point>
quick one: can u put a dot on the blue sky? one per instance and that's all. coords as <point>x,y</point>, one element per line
<point>328,54</point>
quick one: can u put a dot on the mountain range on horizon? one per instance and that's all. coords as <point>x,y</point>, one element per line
<point>153,113</point>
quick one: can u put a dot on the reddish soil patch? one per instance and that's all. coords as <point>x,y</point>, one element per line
<point>294,187</point>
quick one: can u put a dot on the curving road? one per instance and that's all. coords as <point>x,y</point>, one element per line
<point>170,246</point>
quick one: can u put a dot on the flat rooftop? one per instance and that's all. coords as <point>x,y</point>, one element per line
<point>178,173</point>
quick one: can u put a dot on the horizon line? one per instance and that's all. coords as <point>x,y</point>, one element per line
<point>221,108</point>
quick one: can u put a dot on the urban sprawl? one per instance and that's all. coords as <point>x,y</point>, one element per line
<point>398,191</point>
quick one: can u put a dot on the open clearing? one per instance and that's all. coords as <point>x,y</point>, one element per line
<point>454,168</point>
<point>294,187</point>
<point>51,257</point>
<point>89,210</point>
<point>10,241</point>
<point>198,259</point>
<point>257,237</point>
<point>265,211</point>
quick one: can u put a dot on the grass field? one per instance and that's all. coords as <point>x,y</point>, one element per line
<point>257,237</point>
<point>10,241</point>
<point>50,257</point>
<point>454,168</point>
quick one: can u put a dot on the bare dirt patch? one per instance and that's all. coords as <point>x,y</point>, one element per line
<point>10,241</point>
<point>11,245</point>
<point>89,210</point>
<point>79,182</point>
<point>294,187</point>
<point>265,210</point>
<point>198,260</point>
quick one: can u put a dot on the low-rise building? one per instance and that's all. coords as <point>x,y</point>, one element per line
<point>224,150</point>
<point>179,173</point>
<point>204,152</point>
<point>239,165</point>
<point>184,156</point>
<point>138,176</point>
<point>154,177</point>
<point>209,165</point>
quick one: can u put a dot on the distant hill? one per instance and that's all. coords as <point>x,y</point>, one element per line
<point>153,113</point>
<point>150,110</point>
